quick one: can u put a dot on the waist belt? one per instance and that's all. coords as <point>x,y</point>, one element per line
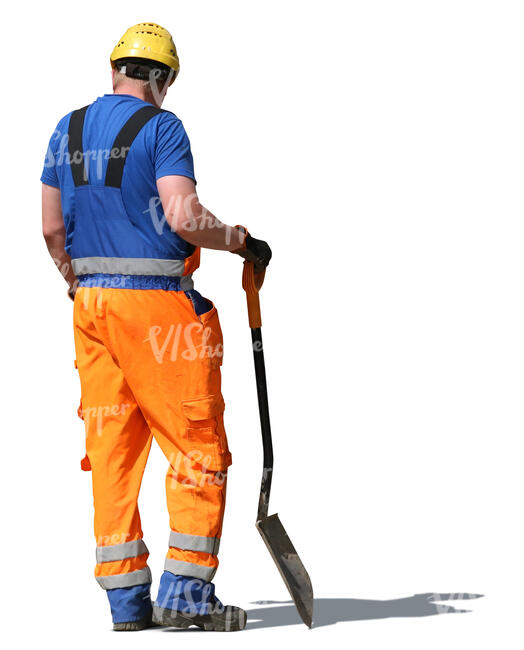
<point>120,281</point>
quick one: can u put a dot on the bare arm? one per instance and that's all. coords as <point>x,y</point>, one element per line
<point>187,217</point>
<point>55,235</point>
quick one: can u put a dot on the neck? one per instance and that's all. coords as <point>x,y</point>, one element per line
<point>141,92</point>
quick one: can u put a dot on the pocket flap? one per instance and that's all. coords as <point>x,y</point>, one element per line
<point>203,408</point>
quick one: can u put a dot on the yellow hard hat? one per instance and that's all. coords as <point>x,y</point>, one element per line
<point>147,41</point>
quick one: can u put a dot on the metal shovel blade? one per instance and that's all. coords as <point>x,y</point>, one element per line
<point>289,564</point>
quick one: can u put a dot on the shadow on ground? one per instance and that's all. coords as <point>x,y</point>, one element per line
<point>329,611</point>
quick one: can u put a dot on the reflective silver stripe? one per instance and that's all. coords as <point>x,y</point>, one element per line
<point>120,551</point>
<point>186,282</point>
<point>127,266</point>
<point>180,568</point>
<point>140,577</point>
<point>194,542</point>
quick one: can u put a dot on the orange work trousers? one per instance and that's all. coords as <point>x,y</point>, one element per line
<point>149,366</point>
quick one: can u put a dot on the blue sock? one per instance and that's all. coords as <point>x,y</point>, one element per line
<point>129,603</point>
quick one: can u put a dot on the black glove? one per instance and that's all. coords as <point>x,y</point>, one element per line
<point>254,250</point>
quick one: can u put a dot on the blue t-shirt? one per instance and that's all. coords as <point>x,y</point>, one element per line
<point>161,148</point>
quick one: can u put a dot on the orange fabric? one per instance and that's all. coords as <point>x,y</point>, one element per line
<point>192,262</point>
<point>197,557</point>
<point>150,367</point>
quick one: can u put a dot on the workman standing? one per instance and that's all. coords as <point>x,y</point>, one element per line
<point>123,223</point>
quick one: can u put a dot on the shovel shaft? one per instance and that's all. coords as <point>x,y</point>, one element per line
<point>252,283</point>
<point>265,425</point>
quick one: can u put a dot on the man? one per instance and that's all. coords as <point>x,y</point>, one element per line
<point>123,223</point>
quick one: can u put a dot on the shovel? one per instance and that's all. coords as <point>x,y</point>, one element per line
<point>273,532</point>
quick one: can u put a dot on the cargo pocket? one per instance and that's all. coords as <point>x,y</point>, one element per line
<point>205,436</point>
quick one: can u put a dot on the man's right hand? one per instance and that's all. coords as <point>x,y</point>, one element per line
<point>254,250</point>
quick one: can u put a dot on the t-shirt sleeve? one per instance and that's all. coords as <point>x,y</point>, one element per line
<point>53,155</point>
<point>173,150</point>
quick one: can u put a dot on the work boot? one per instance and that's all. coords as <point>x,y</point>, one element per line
<point>131,608</point>
<point>184,601</point>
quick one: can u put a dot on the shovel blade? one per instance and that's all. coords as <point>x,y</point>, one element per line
<point>289,564</point>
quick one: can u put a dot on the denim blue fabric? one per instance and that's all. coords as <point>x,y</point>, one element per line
<point>119,281</point>
<point>129,603</point>
<point>186,594</point>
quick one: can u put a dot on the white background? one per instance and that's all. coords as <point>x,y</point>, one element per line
<point>378,147</point>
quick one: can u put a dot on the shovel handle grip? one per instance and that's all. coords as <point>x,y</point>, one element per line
<point>252,283</point>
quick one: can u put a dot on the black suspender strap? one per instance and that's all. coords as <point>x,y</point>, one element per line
<point>123,141</point>
<point>76,149</point>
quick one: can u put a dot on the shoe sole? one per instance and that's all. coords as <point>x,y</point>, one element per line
<point>133,626</point>
<point>211,622</point>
